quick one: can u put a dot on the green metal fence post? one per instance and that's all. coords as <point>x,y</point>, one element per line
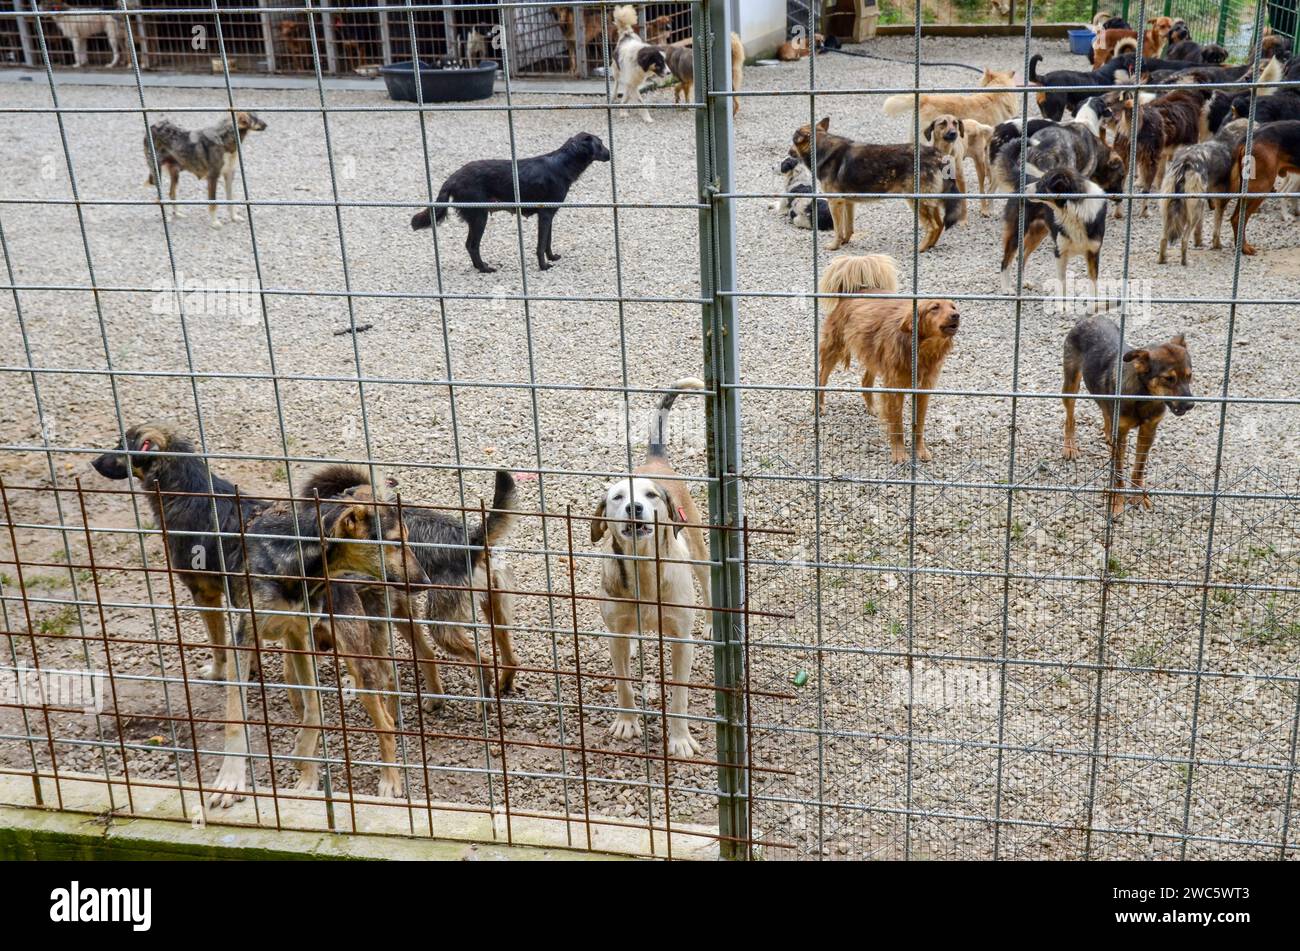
<point>1223,20</point>
<point>715,146</point>
<point>1124,10</point>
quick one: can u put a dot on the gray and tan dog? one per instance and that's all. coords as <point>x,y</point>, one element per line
<point>650,524</point>
<point>209,154</point>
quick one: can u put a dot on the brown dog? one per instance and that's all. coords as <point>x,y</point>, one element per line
<point>847,166</point>
<point>878,334</point>
<point>988,107</point>
<point>1091,353</point>
<point>1275,151</point>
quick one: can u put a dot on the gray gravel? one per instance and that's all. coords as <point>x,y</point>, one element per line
<point>852,718</point>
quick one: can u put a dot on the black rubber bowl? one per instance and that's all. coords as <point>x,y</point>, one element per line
<point>440,84</point>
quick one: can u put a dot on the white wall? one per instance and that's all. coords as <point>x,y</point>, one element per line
<point>761,25</point>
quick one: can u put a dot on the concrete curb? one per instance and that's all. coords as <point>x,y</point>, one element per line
<point>86,817</point>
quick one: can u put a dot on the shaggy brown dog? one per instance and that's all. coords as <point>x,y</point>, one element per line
<point>878,334</point>
<point>1164,124</point>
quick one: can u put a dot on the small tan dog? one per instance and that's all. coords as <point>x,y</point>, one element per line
<point>652,530</point>
<point>960,139</point>
<point>989,108</point>
<point>878,334</point>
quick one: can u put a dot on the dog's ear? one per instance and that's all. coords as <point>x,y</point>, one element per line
<point>598,524</point>
<point>961,128</point>
<point>676,518</point>
<point>348,521</point>
<point>905,324</point>
<point>1141,360</point>
<point>928,132</point>
<point>1180,339</point>
<point>824,124</point>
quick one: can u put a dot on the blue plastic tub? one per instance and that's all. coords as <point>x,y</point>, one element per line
<point>1081,42</point>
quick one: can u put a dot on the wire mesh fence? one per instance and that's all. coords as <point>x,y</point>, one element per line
<point>958,645</point>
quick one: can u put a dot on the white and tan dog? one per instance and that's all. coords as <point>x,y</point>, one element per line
<point>80,27</point>
<point>651,527</point>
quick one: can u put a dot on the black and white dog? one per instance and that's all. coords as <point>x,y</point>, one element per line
<point>543,178</point>
<point>799,211</point>
<point>634,60</point>
<point>1072,209</point>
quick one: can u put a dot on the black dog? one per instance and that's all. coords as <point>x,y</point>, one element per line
<point>1062,87</point>
<point>186,512</point>
<point>1211,54</point>
<point>1275,108</point>
<point>544,178</point>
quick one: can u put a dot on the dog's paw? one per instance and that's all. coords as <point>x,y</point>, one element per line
<point>1140,500</point>
<point>898,455</point>
<point>214,223</point>
<point>308,779</point>
<point>390,785</point>
<point>433,704</point>
<point>1070,450</point>
<point>681,745</point>
<point>552,256</point>
<point>235,219</point>
<point>212,671</point>
<point>1247,249</point>
<point>626,726</point>
<point>230,786</point>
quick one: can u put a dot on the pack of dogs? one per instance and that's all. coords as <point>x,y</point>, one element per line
<point>327,572</point>
<point>339,566</point>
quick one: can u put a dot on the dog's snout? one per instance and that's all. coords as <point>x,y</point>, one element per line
<point>950,135</point>
<point>636,510</point>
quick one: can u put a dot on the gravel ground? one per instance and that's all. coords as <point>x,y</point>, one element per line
<point>959,740</point>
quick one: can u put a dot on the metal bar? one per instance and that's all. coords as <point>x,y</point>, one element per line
<point>716,136</point>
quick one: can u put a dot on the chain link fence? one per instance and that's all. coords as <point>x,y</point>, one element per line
<point>973,655</point>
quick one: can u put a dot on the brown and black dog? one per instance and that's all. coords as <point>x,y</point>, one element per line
<point>295,551</point>
<point>1275,151</point>
<point>191,505</point>
<point>1092,351</point>
<point>847,166</point>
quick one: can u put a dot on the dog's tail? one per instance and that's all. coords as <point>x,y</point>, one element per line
<point>1180,178</point>
<point>1033,67</point>
<point>333,480</point>
<point>501,518</point>
<point>952,206</point>
<point>658,439</point>
<point>625,18</point>
<point>849,274</point>
<point>1234,181</point>
<point>1128,44</point>
<point>898,105</point>
<point>421,219</point>
<point>1271,73</point>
